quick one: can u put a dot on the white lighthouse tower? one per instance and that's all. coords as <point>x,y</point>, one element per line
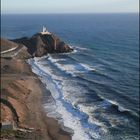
<point>45,31</point>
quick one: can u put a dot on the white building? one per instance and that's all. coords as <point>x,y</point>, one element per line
<point>45,31</point>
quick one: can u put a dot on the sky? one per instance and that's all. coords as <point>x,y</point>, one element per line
<point>69,6</point>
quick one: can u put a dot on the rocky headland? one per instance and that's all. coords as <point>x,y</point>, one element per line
<point>42,44</point>
<point>22,114</point>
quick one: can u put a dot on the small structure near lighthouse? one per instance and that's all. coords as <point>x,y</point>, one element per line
<point>45,31</point>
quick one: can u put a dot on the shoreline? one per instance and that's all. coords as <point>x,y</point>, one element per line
<point>54,128</point>
<point>69,117</point>
<point>50,121</point>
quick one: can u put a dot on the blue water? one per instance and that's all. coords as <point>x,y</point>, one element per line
<point>98,84</point>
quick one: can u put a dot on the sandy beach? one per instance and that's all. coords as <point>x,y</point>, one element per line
<point>25,91</point>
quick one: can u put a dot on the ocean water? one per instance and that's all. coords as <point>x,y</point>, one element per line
<point>95,89</point>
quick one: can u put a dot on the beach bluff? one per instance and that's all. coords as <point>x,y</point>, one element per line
<point>22,113</point>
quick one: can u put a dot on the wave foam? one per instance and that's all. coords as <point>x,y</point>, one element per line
<point>120,108</point>
<point>74,115</point>
<point>71,118</point>
<point>70,68</point>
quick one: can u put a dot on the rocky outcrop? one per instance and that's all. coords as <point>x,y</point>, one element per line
<point>41,44</point>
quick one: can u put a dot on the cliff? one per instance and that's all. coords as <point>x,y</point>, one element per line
<point>41,44</point>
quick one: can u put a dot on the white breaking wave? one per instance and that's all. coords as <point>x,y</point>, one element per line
<point>72,69</point>
<point>88,67</point>
<point>77,116</point>
<point>68,109</point>
<point>79,48</point>
<point>69,116</point>
<point>120,107</point>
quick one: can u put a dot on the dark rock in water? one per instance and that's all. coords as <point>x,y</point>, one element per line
<point>41,44</point>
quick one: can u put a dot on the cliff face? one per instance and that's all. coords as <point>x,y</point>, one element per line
<point>41,44</point>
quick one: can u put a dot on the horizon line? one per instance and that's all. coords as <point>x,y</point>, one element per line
<point>72,13</point>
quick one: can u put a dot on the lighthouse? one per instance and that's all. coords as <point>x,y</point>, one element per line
<point>45,31</point>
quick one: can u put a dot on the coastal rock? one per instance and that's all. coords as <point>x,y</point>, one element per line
<point>41,44</point>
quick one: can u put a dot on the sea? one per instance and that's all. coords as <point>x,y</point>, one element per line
<point>95,88</point>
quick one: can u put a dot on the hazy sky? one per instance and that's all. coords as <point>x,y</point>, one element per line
<point>69,6</point>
